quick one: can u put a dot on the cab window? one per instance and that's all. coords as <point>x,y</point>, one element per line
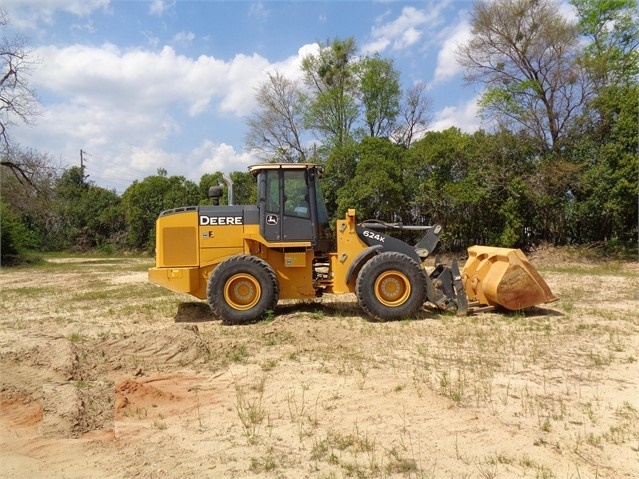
<point>296,194</point>
<point>272,192</point>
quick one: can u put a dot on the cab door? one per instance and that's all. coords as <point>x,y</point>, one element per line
<point>284,200</point>
<point>296,218</point>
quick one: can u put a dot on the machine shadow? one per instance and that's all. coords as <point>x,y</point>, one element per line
<point>200,312</point>
<point>194,312</point>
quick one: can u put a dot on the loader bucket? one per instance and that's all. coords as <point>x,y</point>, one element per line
<point>503,277</point>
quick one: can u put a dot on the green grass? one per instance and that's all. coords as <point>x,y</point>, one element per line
<point>83,262</point>
<point>608,268</point>
<point>29,292</point>
<point>103,291</point>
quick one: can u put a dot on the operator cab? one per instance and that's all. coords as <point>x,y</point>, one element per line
<point>291,205</point>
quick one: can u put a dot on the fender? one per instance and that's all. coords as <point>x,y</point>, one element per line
<point>387,243</point>
<point>361,258</point>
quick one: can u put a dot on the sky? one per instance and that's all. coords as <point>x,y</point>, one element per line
<point>141,85</point>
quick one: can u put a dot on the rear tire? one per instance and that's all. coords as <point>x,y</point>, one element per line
<point>242,289</point>
<point>391,286</point>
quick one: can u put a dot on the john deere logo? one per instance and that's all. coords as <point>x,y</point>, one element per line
<point>220,220</point>
<point>272,220</point>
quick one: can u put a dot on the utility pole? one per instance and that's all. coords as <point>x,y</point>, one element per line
<point>82,155</point>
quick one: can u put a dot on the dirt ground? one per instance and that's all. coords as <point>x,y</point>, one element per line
<point>104,375</point>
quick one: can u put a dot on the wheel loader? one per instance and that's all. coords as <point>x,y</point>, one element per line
<point>243,259</point>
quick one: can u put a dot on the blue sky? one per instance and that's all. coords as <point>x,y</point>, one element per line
<point>142,85</point>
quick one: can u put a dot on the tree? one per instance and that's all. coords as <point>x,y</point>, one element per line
<point>612,27</point>
<point>379,94</point>
<point>208,180</point>
<point>524,52</point>
<point>603,204</point>
<point>474,186</point>
<point>413,115</point>
<point>377,189</point>
<point>18,102</point>
<point>87,216</point>
<point>9,235</point>
<point>331,76</point>
<point>343,98</point>
<point>144,200</point>
<point>32,203</point>
<point>244,187</point>
<point>444,192</point>
<point>276,129</point>
<point>341,165</point>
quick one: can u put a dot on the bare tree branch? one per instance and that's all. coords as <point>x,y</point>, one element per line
<point>413,115</point>
<point>18,102</point>
<point>524,52</point>
<point>276,129</point>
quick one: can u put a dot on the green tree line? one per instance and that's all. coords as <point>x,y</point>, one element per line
<point>558,163</point>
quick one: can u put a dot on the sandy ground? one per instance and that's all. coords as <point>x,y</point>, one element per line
<point>103,375</point>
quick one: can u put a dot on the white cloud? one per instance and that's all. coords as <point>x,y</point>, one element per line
<point>143,80</point>
<point>290,67</point>
<point>243,74</point>
<point>259,12</point>
<point>183,38</point>
<point>447,66</point>
<point>210,157</point>
<point>568,11</point>
<point>160,7</point>
<point>133,110</point>
<point>404,31</point>
<point>82,8</point>
<point>463,116</point>
<point>30,14</point>
<point>128,164</point>
<point>376,46</point>
<point>399,33</point>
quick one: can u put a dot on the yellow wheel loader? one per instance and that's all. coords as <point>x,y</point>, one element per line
<point>244,259</point>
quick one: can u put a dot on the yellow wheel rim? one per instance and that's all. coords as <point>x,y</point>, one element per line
<point>242,291</point>
<point>392,288</point>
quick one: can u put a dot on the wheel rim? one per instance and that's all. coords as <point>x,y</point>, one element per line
<point>392,288</point>
<point>242,291</point>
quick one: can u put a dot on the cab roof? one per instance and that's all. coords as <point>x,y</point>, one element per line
<point>281,166</point>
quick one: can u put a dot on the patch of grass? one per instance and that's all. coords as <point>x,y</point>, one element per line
<point>250,409</point>
<point>269,317</point>
<point>76,337</point>
<point>305,418</point>
<point>263,464</point>
<point>30,292</point>
<point>608,268</point>
<point>277,338</point>
<point>400,464</point>
<point>358,455</point>
<point>103,291</point>
<point>599,360</point>
<point>269,364</point>
<point>317,314</point>
<point>160,425</point>
<point>239,353</point>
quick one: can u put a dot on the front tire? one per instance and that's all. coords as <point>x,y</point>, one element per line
<point>242,289</point>
<point>391,286</point>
